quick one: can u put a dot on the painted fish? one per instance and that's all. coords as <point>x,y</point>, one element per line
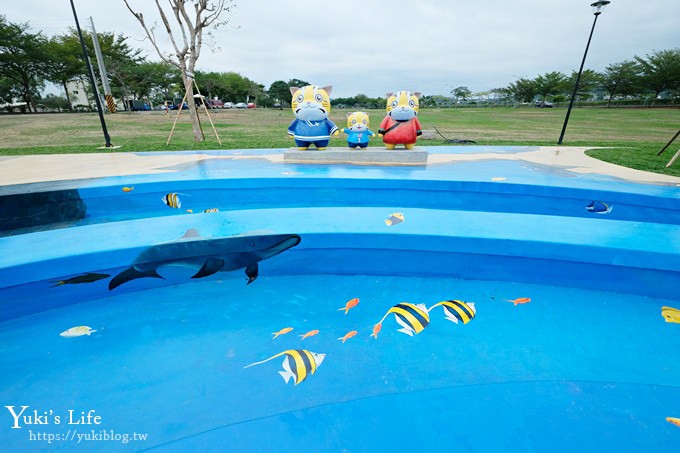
<point>376,330</point>
<point>311,333</point>
<point>78,331</point>
<point>457,310</point>
<point>172,200</point>
<point>348,335</point>
<point>394,219</point>
<point>212,210</point>
<point>598,207</point>
<point>671,314</point>
<point>88,277</point>
<point>350,304</point>
<point>413,318</point>
<point>298,364</point>
<point>128,189</point>
<point>208,255</point>
<point>520,300</point>
<point>283,331</point>
<point>675,421</point>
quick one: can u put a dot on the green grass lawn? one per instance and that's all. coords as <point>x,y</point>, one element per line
<point>633,136</point>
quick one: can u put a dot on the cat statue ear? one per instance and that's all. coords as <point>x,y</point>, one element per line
<point>389,94</point>
<point>417,94</point>
<point>293,90</point>
<point>328,89</point>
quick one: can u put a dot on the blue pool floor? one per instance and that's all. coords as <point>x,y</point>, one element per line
<point>600,364</point>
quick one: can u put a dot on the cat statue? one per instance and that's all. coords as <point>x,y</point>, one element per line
<point>401,125</point>
<point>311,126</point>
<point>357,130</point>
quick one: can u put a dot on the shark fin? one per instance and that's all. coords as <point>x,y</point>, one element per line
<point>131,274</point>
<point>252,271</point>
<point>210,266</point>
<point>191,233</point>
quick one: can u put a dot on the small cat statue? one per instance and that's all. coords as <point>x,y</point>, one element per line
<point>357,130</point>
<point>401,125</point>
<point>311,126</point>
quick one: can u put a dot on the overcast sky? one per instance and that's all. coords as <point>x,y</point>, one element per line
<point>375,46</point>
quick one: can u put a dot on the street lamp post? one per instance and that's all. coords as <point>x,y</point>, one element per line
<point>597,10</point>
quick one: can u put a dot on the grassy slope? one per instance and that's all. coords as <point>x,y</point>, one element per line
<point>634,135</point>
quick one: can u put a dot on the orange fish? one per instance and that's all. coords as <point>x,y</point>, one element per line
<point>190,211</point>
<point>350,304</point>
<point>376,329</point>
<point>521,300</point>
<point>348,335</point>
<point>675,421</point>
<point>283,331</point>
<point>128,189</point>
<point>311,333</point>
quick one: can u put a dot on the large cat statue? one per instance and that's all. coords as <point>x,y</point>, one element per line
<point>357,130</point>
<point>311,126</point>
<point>401,125</point>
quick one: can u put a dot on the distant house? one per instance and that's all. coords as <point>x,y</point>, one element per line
<point>78,90</point>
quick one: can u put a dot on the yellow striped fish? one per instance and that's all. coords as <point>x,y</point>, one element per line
<point>298,364</point>
<point>172,200</point>
<point>413,318</point>
<point>457,310</point>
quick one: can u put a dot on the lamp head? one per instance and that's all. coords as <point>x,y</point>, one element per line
<point>599,6</point>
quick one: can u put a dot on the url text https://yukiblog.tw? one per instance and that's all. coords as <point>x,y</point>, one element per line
<point>79,425</point>
<point>72,435</point>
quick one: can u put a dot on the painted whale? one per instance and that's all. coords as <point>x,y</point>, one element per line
<point>208,255</point>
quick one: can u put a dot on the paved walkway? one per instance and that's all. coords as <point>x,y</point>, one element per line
<point>60,167</point>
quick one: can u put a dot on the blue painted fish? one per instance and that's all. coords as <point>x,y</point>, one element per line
<point>394,219</point>
<point>298,364</point>
<point>78,331</point>
<point>208,255</point>
<point>598,207</point>
<point>413,318</point>
<point>172,200</point>
<point>88,277</point>
<point>457,310</point>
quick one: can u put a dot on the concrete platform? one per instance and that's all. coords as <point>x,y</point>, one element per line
<point>368,156</point>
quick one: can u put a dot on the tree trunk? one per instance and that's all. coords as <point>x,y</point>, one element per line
<point>68,96</point>
<point>193,113</point>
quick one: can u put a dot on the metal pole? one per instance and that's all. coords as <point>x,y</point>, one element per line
<point>94,85</point>
<point>578,79</point>
<point>110,104</point>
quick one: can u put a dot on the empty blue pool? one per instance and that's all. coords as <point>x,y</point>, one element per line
<point>491,305</point>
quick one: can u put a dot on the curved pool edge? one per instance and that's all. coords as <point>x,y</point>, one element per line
<point>19,170</point>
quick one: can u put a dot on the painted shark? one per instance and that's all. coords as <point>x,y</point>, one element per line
<point>208,255</point>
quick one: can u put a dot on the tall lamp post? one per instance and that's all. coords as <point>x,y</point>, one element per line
<point>597,10</point>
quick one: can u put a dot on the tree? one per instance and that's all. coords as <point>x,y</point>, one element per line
<point>461,92</point>
<point>66,63</point>
<point>280,91</point>
<point>661,71</point>
<point>191,25</point>
<point>589,82</point>
<point>523,90</point>
<point>549,84</point>
<point>23,60</point>
<point>620,79</point>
